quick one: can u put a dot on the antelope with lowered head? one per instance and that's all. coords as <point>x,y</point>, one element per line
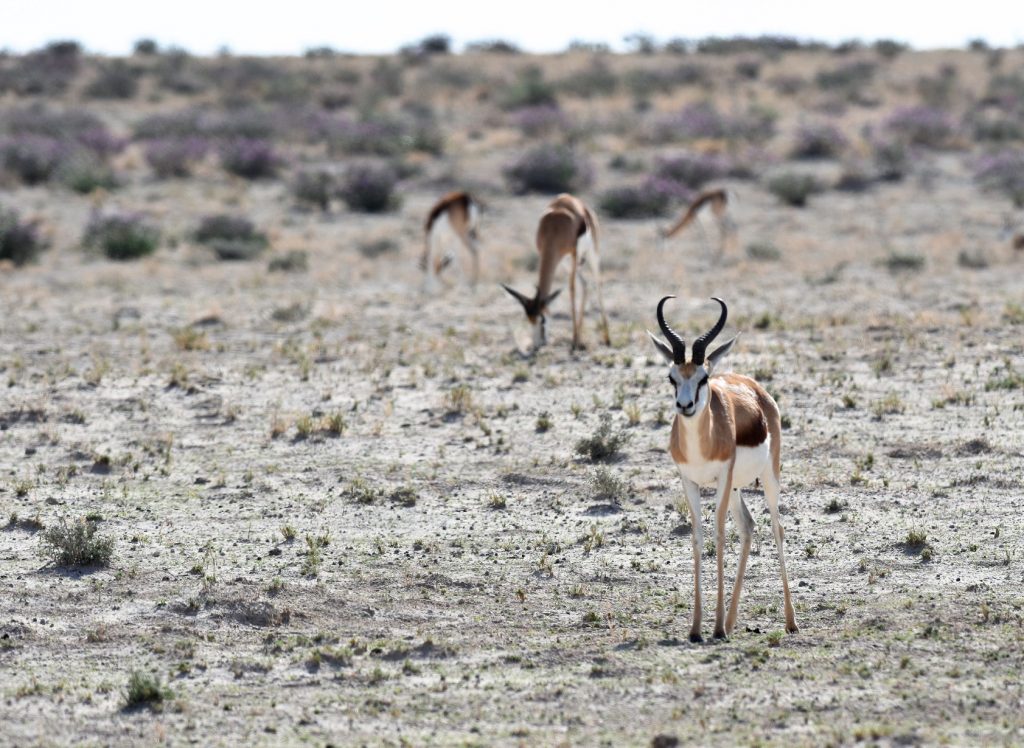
<point>457,212</point>
<point>726,432</point>
<point>567,228</point>
<point>717,200</point>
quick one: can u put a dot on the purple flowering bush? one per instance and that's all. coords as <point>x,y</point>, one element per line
<point>175,157</point>
<point>231,237</point>
<point>692,170</point>
<point>921,125</point>
<point>382,136</point>
<point>818,140</point>
<point>250,158</point>
<point>548,169</point>
<point>20,242</point>
<point>652,198</point>
<point>32,158</point>
<point>186,123</point>
<point>1003,172</point>
<point>368,188</point>
<point>703,121</point>
<point>121,236</point>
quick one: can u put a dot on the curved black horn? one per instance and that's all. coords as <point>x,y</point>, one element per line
<point>702,342</point>
<point>678,344</point>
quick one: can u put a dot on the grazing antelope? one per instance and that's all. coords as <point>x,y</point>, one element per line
<point>726,431</point>
<point>718,201</point>
<point>458,211</point>
<point>567,227</point>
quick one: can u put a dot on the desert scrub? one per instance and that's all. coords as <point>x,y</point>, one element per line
<point>33,159</point>
<point>606,486</point>
<point>114,80</point>
<point>20,242</point>
<point>250,158</point>
<point>145,690</point>
<point>922,126</point>
<point>124,236</point>
<point>314,187</point>
<point>605,442</point>
<point>818,140</point>
<point>84,172</point>
<point>763,252</point>
<point>292,261</point>
<point>903,262</point>
<point>231,237</point>
<point>175,157</point>
<point>650,199</point>
<point>528,90</point>
<point>692,170</point>
<point>368,188</point>
<point>548,169</point>
<point>792,188</point>
<point>458,401</point>
<point>540,121</point>
<point>70,544</point>
<point>1003,172</point>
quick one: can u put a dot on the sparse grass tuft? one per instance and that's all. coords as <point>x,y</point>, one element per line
<point>903,262</point>
<point>605,443</point>
<point>544,423</point>
<point>607,486</point>
<point>145,690</point>
<point>76,544</point>
<point>458,401</point>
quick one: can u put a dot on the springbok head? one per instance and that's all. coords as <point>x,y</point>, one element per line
<point>690,380</point>
<point>535,309</point>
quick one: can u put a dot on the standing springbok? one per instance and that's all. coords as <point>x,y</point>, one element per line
<point>567,227</point>
<point>725,431</point>
<point>457,211</point>
<point>718,201</point>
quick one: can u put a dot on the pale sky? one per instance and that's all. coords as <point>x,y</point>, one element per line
<point>380,26</point>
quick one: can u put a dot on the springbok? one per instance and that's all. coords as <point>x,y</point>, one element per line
<point>458,211</point>
<point>718,201</point>
<point>726,431</point>
<point>567,227</point>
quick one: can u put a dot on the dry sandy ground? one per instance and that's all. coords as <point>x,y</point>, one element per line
<point>480,592</point>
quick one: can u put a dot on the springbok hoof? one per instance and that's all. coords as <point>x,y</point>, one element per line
<point>720,634</point>
<point>696,638</point>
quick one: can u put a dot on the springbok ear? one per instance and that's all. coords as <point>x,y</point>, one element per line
<point>551,297</point>
<point>720,352</point>
<point>664,350</point>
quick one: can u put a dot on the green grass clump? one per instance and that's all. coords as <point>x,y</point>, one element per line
<point>145,690</point>
<point>121,237</point>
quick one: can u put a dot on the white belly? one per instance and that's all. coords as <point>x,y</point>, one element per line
<point>751,463</point>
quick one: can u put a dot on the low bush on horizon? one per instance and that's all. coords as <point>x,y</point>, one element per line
<point>231,237</point>
<point>20,242</point>
<point>369,188</point>
<point>549,169</point>
<point>121,236</point>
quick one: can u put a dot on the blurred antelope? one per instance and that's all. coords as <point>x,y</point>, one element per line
<point>718,201</point>
<point>567,228</point>
<point>458,212</point>
<point>726,431</point>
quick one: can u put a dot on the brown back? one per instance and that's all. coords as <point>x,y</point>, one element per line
<point>458,200</point>
<point>718,199</point>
